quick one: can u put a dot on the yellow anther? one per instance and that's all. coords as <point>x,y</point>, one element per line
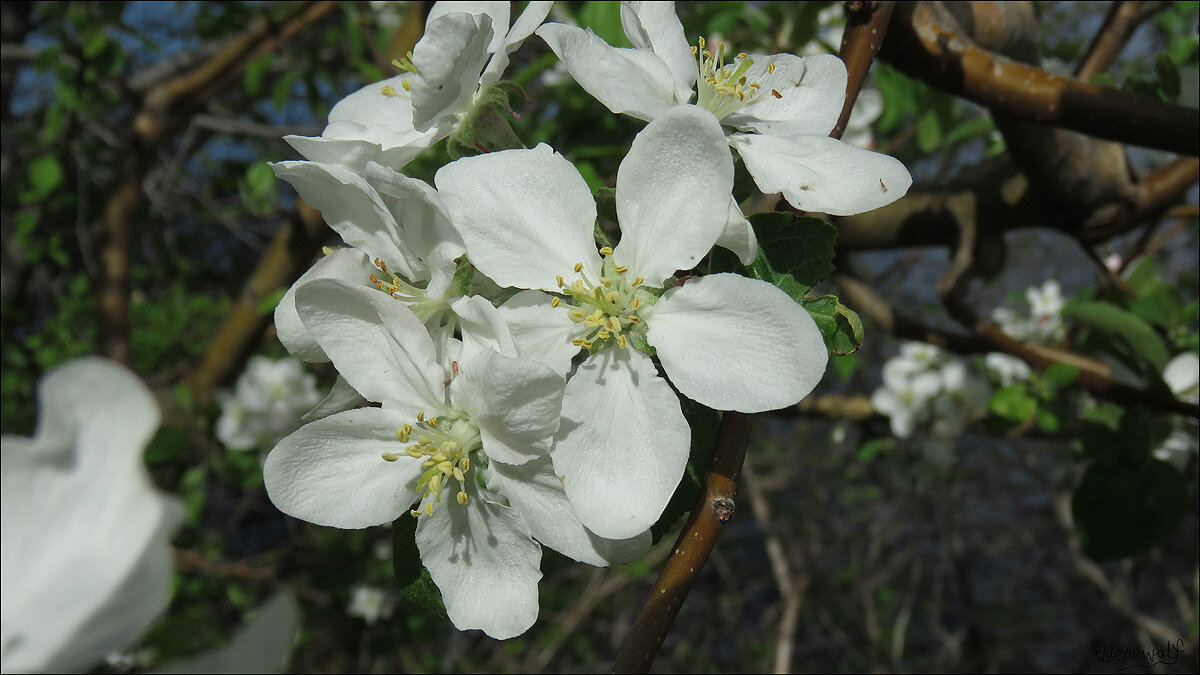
<point>402,435</point>
<point>433,422</point>
<point>428,464</point>
<point>390,456</point>
<point>578,342</point>
<point>742,55</point>
<point>413,451</point>
<point>577,287</point>
<point>634,319</point>
<point>424,440</point>
<point>406,85</point>
<point>606,281</point>
<point>556,301</point>
<point>637,282</point>
<point>415,513</point>
<point>614,324</point>
<point>447,467</point>
<point>622,342</point>
<point>694,50</point>
<point>606,251</point>
<point>465,463</point>
<point>621,269</point>
<point>636,304</point>
<point>603,335</point>
<point>421,416</point>
<point>459,475</point>
<point>578,267</point>
<point>770,68</point>
<point>577,315</point>
<point>700,42</point>
<point>435,483</point>
<point>389,91</point>
<point>438,457</point>
<point>429,509</point>
<point>560,281</point>
<point>613,297</point>
<point>462,498</point>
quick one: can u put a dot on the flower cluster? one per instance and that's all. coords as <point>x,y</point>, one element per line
<point>1043,325</point>
<point>925,389</point>
<point>267,403</point>
<point>512,360</point>
<point>1182,375</point>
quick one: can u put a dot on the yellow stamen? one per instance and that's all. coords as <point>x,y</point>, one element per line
<point>622,342</point>
<point>406,85</point>
<point>621,269</point>
<point>606,251</point>
<point>614,324</point>
<point>556,302</point>
<point>390,456</point>
<point>459,475</point>
<point>465,463</point>
<point>559,279</point>
<point>462,498</point>
<point>577,315</point>
<point>770,68</point>
<point>636,304</point>
<point>389,91</point>
<point>637,282</point>
<point>634,319</point>
<point>420,415</point>
<point>429,509</point>
<point>433,422</point>
<point>578,267</point>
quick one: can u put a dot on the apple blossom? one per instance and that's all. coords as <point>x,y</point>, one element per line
<point>526,218</point>
<point>462,415</point>
<point>86,553</point>
<point>448,78</point>
<point>266,404</point>
<point>777,109</point>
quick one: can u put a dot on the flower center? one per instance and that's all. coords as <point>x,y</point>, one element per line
<point>445,444</point>
<point>422,305</point>
<point>606,308</point>
<point>722,88</point>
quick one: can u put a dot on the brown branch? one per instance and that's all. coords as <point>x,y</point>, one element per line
<point>866,24</point>
<point>922,45</point>
<point>1119,24</point>
<point>695,543</point>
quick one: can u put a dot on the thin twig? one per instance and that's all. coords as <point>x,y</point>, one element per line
<point>1119,24</point>
<point>714,507</point>
<point>866,24</point>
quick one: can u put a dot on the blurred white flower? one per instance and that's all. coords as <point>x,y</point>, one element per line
<point>266,404</point>
<point>371,604</point>
<point>1009,369</point>
<point>1182,375</point>
<point>1044,324</point>
<point>86,550</point>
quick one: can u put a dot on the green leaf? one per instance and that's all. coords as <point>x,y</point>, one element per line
<point>839,325</point>
<point>1168,76</point>
<point>929,131</point>
<point>252,77</point>
<point>1059,375</point>
<point>1136,334</point>
<point>260,179</point>
<point>267,305</point>
<point>45,175</point>
<point>604,18</point>
<point>802,248</point>
<point>1123,511</point>
<point>416,586</point>
<point>1013,403</point>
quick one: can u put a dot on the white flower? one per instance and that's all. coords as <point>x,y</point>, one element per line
<point>371,604</point>
<point>1009,369</point>
<point>1182,375</point>
<point>266,404</point>
<point>905,395</point>
<point>728,342</point>
<point>401,238</point>
<point>463,52</point>
<point>86,555</point>
<point>482,423</point>
<point>1045,307</point>
<point>778,109</point>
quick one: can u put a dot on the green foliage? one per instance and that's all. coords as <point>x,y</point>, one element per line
<point>416,585</point>
<point>1124,510</point>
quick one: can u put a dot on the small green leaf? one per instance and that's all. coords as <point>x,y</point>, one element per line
<point>45,175</point>
<point>929,131</point>
<point>1136,334</point>
<point>252,77</point>
<point>839,325</point>
<point>1059,375</point>
<point>1123,511</point>
<point>267,304</point>
<point>260,179</point>
<point>416,586</point>
<point>604,18</point>
<point>1013,403</point>
<point>1168,76</point>
<point>802,248</point>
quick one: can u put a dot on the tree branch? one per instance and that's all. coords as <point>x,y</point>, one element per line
<point>924,47</point>
<point>866,24</point>
<point>1120,22</point>
<point>714,507</point>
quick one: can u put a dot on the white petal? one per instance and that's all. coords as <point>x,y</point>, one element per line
<point>341,397</point>
<point>628,81</point>
<point>622,445</point>
<point>524,215</point>
<point>483,559</point>
<point>738,236</point>
<point>673,194</point>
<point>449,59</point>
<point>496,10</point>
<point>541,332</point>
<point>390,150</point>
<point>531,17</point>
<point>1182,374</point>
<point>261,645</point>
<point>331,472</point>
<point>515,402</point>
<point>483,327</point>
<point>347,264</point>
<point>424,225</point>
<point>769,349</point>
<point>376,343</point>
<point>811,90</point>
<point>538,496</point>
<point>653,26</point>
<point>822,174</point>
<point>353,209</point>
